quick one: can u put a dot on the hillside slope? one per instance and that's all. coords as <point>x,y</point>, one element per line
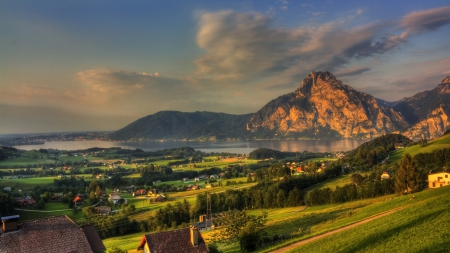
<point>187,126</point>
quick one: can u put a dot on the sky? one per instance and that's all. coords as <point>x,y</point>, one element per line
<point>100,65</point>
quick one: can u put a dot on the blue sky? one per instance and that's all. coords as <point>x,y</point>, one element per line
<point>99,65</point>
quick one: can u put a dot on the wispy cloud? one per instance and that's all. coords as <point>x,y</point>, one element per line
<point>244,46</point>
<point>423,21</point>
<point>351,71</point>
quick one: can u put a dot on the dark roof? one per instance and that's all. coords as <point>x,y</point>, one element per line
<point>175,241</point>
<point>54,234</point>
<point>93,238</point>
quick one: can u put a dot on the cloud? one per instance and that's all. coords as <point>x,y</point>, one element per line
<point>105,86</point>
<point>423,21</point>
<point>239,45</point>
<point>113,81</point>
<point>244,47</point>
<point>351,71</point>
<point>247,49</point>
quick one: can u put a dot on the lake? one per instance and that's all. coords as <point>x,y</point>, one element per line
<point>239,147</point>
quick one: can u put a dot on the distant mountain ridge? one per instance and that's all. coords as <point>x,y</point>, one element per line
<point>205,126</point>
<point>321,108</point>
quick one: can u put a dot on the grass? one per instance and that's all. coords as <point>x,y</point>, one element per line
<point>320,159</point>
<point>420,227</point>
<point>439,143</point>
<point>332,183</point>
<point>27,183</point>
<point>321,219</point>
<point>125,242</point>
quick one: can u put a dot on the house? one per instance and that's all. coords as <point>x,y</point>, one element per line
<point>439,179</point>
<point>399,145</point>
<point>104,210</point>
<point>185,240</point>
<point>386,175</point>
<point>26,201</point>
<point>114,197</point>
<point>52,234</point>
<point>78,200</point>
<point>140,192</point>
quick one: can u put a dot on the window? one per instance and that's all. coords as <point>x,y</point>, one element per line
<point>446,176</point>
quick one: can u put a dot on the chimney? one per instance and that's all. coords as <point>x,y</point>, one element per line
<point>194,235</point>
<point>9,223</point>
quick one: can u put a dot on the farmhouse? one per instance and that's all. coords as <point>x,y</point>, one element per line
<point>114,197</point>
<point>54,234</point>
<point>386,175</point>
<point>185,240</point>
<point>439,179</point>
<point>140,192</point>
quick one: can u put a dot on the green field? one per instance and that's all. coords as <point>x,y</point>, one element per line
<point>332,183</point>
<point>422,226</point>
<point>27,183</point>
<point>439,143</point>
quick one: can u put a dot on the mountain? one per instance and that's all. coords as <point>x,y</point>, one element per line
<point>428,112</point>
<point>185,125</point>
<point>321,108</point>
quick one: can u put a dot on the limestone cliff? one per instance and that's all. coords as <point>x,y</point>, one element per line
<point>325,107</point>
<point>428,112</point>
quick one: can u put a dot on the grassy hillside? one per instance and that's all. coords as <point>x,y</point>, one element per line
<point>422,226</point>
<point>439,143</point>
<point>331,183</point>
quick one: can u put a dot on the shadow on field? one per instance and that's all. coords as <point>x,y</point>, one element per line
<point>310,220</point>
<point>382,236</point>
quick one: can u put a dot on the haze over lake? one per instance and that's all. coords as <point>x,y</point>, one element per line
<point>240,147</point>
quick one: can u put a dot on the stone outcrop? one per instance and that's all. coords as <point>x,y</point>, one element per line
<point>433,126</point>
<point>324,103</point>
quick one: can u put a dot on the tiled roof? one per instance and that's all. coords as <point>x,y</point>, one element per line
<point>54,234</point>
<point>175,241</point>
<point>93,238</point>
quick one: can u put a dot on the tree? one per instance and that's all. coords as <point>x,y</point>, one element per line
<point>240,227</point>
<point>408,177</point>
<point>294,198</point>
<point>6,204</point>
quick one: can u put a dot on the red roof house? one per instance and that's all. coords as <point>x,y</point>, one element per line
<point>185,240</point>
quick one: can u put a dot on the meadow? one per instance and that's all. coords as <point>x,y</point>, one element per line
<point>439,143</point>
<point>422,226</point>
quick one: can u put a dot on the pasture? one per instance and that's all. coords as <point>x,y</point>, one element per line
<point>332,183</point>
<point>439,143</point>
<point>422,226</point>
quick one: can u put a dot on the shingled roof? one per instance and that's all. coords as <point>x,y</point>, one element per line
<point>93,238</point>
<point>175,241</point>
<point>54,234</point>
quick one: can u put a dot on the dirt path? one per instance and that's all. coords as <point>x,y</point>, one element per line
<point>371,218</point>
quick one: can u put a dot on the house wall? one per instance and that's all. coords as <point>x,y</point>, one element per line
<point>146,248</point>
<point>438,179</point>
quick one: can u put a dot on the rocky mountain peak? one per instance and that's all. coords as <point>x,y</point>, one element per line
<point>444,87</point>
<point>446,80</point>
<point>318,80</point>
